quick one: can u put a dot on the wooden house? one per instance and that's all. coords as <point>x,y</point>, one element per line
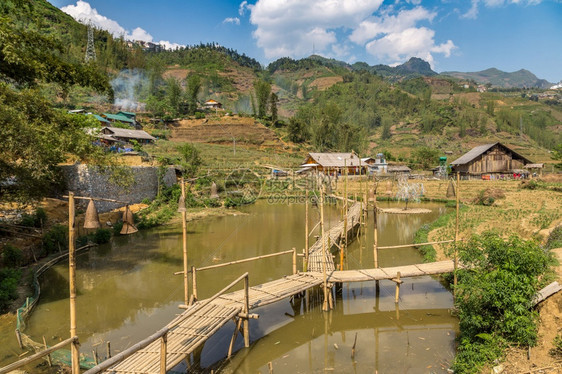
<point>330,163</point>
<point>493,158</point>
<point>398,170</point>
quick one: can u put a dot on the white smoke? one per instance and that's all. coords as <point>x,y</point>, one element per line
<point>127,87</point>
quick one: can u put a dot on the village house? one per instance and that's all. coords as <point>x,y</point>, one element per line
<point>126,135</point>
<point>212,104</point>
<point>377,165</point>
<point>330,163</point>
<point>126,118</point>
<point>490,161</point>
<point>398,170</point>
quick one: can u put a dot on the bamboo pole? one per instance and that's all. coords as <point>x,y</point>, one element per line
<point>417,244</point>
<point>163,351</point>
<point>48,355</point>
<point>241,261</point>
<point>456,260</point>
<point>247,311</point>
<point>344,247</point>
<point>375,231</point>
<point>325,303</point>
<point>75,354</point>
<point>397,292</point>
<point>294,260</point>
<point>36,356</point>
<point>194,282</point>
<point>184,232</point>
<point>306,234</point>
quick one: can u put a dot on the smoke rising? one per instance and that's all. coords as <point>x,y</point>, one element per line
<point>128,86</point>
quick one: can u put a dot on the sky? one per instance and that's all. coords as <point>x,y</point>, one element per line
<point>452,35</point>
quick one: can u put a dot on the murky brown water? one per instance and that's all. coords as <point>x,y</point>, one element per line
<point>127,290</point>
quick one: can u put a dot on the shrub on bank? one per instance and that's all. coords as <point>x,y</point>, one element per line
<point>12,256</point>
<point>56,239</point>
<point>9,279</point>
<point>494,297</point>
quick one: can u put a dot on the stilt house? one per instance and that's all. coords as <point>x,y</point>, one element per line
<point>330,163</point>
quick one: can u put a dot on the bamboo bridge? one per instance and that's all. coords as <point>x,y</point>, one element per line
<point>188,332</point>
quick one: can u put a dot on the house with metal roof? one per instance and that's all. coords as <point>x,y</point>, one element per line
<point>127,135</point>
<point>494,158</point>
<point>333,162</point>
<point>124,118</point>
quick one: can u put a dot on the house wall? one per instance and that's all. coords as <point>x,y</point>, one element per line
<point>496,160</point>
<point>86,180</point>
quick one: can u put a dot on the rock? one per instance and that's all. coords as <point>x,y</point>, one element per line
<point>498,369</point>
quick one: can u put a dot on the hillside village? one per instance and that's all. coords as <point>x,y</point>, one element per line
<point>152,165</point>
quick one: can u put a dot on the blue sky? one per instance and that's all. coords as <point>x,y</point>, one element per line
<point>469,35</point>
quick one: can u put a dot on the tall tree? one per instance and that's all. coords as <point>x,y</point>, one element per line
<point>263,90</point>
<point>173,94</point>
<point>192,92</point>
<point>36,137</point>
<point>273,100</point>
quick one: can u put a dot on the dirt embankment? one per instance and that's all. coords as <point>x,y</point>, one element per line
<point>244,130</point>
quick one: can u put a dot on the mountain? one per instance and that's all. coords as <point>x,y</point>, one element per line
<point>414,67</point>
<point>497,78</point>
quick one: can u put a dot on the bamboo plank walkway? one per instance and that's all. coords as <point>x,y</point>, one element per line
<point>365,275</point>
<point>200,321</point>
<point>333,237</point>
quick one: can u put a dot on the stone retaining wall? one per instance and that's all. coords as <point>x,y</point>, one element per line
<point>86,180</point>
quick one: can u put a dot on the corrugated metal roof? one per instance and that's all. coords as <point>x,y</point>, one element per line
<point>118,117</point>
<point>477,151</point>
<point>129,134</point>
<point>335,159</point>
<point>472,154</point>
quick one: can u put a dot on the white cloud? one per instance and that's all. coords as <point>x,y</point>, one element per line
<point>233,20</point>
<point>84,13</point>
<point>242,8</point>
<point>292,27</point>
<point>374,26</point>
<point>473,11</point>
<point>411,42</point>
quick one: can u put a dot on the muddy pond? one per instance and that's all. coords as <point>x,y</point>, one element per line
<point>127,290</point>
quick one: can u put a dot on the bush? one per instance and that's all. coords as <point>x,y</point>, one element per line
<point>199,115</point>
<point>488,196</point>
<point>101,236</point>
<point>35,219</point>
<point>494,295</point>
<point>557,350</point>
<point>555,238</point>
<point>55,239</point>
<point>12,256</point>
<point>9,279</point>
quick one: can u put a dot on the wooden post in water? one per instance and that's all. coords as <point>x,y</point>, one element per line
<point>456,236</point>
<point>163,352</point>
<point>247,311</point>
<point>306,233</point>
<point>344,244</point>
<point>323,238</point>
<point>375,231</point>
<point>184,233</point>
<point>194,283</point>
<point>397,292</point>
<point>294,260</point>
<point>75,353</point>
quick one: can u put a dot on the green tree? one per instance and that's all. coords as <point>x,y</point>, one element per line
<point>190,159</point>
<point>425,157</point>
<point>192,92</point>
<point>262,90</point>
<point>386,128</point>
<point>494,296</point>
<point>557,155</point>
<point>273,100</point>
<point>174,95</point>
<point>490,106</point>
<point>297,130</point>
